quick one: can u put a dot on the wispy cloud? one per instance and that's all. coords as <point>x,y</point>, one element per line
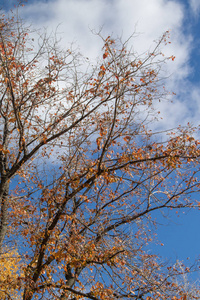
<point>120,17</point>
<point>148,19</point>
<point>195,7</point>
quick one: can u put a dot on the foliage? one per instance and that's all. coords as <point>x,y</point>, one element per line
<point>10,266</point>
<point>82,171</point>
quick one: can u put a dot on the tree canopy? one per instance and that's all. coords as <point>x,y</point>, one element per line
<point>82,169</point>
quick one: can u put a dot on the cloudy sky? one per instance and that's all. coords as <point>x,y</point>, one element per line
<point>75,20</point>
<point>149,19</point>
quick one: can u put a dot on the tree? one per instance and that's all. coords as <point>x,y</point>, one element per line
<point>82,170</point>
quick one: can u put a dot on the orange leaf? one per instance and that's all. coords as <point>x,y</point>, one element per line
<point>12,120</point>
<point>5,151</point>
<point>105,55</point>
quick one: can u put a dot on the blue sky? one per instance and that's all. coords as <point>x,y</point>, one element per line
<point>148,18</point>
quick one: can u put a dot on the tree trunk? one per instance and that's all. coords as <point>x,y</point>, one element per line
<point>4,189</point>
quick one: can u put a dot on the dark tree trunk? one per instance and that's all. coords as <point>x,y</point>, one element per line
<point>4,189</point>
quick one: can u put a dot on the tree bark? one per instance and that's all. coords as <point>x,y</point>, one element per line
<point>4,189</point>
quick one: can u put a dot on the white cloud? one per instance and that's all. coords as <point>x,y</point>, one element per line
<point>120,17</point>
<point>195,7</point>
<point>150,19</point>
